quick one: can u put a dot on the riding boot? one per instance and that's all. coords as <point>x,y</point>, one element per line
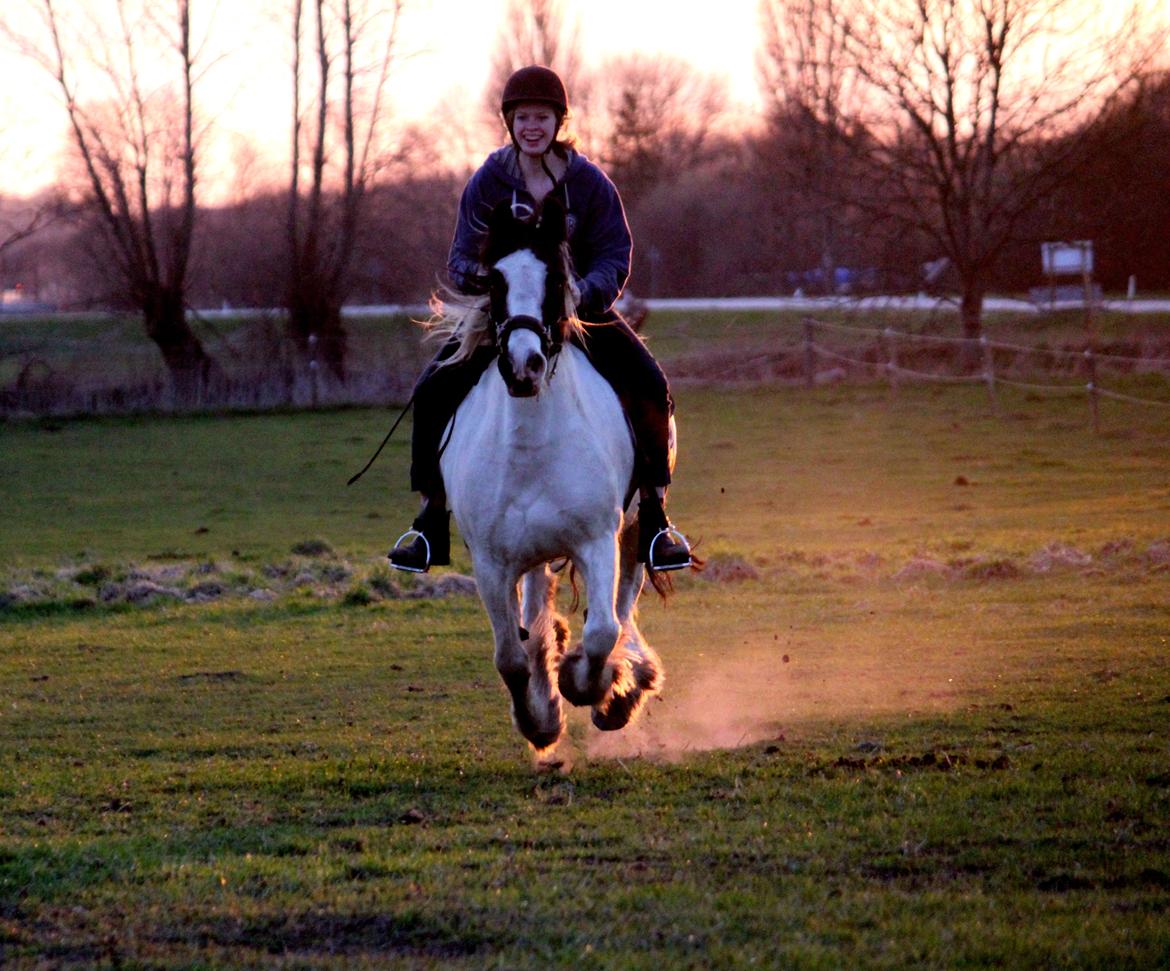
<point>670,550</point>
<point>431,545</point>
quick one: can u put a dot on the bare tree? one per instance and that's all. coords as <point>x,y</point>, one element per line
<point>659,117</point>
<point>22,219</point>
<point>337,151</point>
<point>535,32</point>
<point>971,112</point>
<point>136,144</point>
<point>809,89</point>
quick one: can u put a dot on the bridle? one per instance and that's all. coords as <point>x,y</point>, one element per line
<point>550,342</point>
<point>551,336</point>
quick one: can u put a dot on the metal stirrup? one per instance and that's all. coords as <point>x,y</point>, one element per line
<point>668,531</point>
<point>398,544</point>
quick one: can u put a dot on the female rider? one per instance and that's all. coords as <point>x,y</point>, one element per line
<point>533,167</point>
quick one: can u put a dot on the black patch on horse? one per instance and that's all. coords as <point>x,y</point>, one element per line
<point>543,235</point>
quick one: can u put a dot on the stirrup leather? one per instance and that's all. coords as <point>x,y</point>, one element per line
<point>669,531</point>
<point>398,545</point>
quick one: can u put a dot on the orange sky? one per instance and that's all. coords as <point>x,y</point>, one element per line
<point>450,43</point>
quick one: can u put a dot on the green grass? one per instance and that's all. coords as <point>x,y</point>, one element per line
<point>943,740</point>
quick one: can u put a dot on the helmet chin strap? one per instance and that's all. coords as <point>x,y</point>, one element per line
<point>543,158</point>
<point>544,165</point>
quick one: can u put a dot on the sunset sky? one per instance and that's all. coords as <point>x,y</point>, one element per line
<point>449,42</point>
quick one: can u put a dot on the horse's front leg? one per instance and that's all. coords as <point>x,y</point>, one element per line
<point>536,712</point>
<point>640,673</point>
<point>586,676</point>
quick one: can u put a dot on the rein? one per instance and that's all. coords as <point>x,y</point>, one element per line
<point>385,442</point>
<point>550,346</point>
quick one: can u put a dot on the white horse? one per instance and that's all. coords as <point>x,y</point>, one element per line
<point>538,468</point>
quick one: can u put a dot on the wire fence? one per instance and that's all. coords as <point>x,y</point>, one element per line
<point>108,367</point>
<point>102,368</point>
<point>901,356</point>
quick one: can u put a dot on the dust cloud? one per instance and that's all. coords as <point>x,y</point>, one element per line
<point>770,691</point>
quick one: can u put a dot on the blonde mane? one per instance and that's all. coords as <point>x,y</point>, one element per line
<point>467,319</point>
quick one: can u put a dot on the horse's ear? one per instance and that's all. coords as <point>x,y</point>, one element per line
<point>552,221</point>
<point>501,220</point>
<point>500,229</point>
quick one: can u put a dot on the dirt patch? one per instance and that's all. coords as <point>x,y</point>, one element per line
<point>312,547</point>
<point>728,569</point>
<point>1158,553</point>
<point>214,677</point>
<point>137,592</point>
<point>204,582</point>
<point>447,585</point>
<point>992,569</point>
<point>1059,556</point>
<point>922,567</point>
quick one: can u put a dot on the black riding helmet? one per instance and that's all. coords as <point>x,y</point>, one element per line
<point>535,83</point>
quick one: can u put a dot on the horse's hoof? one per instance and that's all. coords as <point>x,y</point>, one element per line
<point>542,741</point>
<point>619,712</point>
<point>575,683</point>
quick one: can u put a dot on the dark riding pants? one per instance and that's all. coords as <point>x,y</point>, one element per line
<point>616,352</point>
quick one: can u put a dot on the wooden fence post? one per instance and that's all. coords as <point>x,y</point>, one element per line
<point>810,361</point>
<point>891,359</point>
<point>989,372</point>
<point>1094,395</point>
<point>313,392</point>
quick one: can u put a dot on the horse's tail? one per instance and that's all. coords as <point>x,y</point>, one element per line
<point>663,583</point>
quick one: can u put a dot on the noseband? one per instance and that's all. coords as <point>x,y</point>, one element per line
<point>551,342</point>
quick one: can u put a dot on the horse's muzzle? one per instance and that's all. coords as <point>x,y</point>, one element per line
<point>523,389</point>
<point>523,367</point>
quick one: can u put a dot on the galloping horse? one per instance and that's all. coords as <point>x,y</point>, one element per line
<point>538,467</point>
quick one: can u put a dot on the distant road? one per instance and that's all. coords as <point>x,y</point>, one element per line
<point>918,302</point>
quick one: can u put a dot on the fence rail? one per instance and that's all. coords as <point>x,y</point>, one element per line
<point>104,370</point>
<point>256,369</point>
<point>973,361</point>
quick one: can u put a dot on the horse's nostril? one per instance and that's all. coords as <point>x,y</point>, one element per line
<point>535,363</point>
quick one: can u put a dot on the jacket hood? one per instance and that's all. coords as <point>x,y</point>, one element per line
<point>504,164</point>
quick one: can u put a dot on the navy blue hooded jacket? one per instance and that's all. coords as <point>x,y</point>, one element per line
<point>599,236</point>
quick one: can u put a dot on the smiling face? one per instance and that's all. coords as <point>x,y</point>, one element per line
<point>534,126</point>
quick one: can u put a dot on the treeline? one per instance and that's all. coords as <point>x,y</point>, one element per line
<point>897,147</point>
<point>732,222</point>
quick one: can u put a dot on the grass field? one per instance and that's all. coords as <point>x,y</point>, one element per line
<point>916,714</point>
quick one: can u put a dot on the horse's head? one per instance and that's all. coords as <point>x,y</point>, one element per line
<point>527,293</point>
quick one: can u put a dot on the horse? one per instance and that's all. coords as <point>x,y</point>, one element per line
<point>538,466</point>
